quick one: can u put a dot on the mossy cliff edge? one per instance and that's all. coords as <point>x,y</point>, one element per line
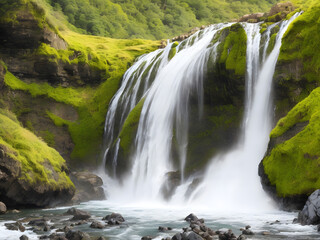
<point>290,169</point>
<point>58,84</point>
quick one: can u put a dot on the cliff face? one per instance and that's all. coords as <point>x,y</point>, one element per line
<point>290,168</point>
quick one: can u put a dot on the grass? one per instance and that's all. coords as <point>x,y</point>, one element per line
<point>33,154</point>
<point>293,166</point>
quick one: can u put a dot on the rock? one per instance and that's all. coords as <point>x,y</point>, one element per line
<point>24,237</point>
<point>101,238</point>
<point>177,236</point>
<point>96,224</point>
<point>114,219</point>
<point>15,211</point>
<point>191,218</point>
<point>164,229</point>
<point>15,226</point>
<point>241,237</point>
<point>78,214</point>
<point>78,235</point>
<point>41,222</point>
<point>247,230</point>
<point>265,233</point>
<point>88,187</point>
<point>310,214</point>
<point>3,208</point>
<point>193,236</point>
<point>169,186</point>
<point>251,18</point>
<point>146,238</point>
<point>284,8</point>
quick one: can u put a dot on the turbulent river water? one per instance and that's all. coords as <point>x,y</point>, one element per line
<point>223,201</point>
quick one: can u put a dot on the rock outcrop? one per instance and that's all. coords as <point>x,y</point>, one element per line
<point>88,187</point>
<point>310,214</point>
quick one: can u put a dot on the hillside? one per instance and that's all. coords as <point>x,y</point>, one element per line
<point>156,19</point>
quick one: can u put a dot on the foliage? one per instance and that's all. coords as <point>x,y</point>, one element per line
<point>293,166</point>
<point>33,154</point>
<point>155,19</point>
<point>301,40</point>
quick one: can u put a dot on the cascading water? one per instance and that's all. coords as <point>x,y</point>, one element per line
<point>231,180</point>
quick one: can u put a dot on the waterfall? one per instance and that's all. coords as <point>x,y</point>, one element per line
<point>231,180</point>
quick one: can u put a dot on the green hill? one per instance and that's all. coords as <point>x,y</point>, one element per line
<point>155,19</point>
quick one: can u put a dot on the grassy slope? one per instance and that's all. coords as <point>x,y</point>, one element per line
<point>32,153</point>
<point>293,166</point>
<point>113,56</point>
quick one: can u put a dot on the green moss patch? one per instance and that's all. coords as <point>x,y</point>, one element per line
<point>33,154</point>
<point>233,52</point>
<point>293,166</point>
<point>301,41</point>
<point>130,127</point>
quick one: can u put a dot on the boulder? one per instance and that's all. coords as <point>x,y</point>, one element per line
<point>146,238</point>
<point>88,187</point>
<point>96,224</point>
<point>78,214</point>
<point>310,214</point>
<point>23,237</point>
<point>17,226</point>
<point>191,218</point>
<point>78,235</point>
<point>3,208</point>
<point>114,219</point>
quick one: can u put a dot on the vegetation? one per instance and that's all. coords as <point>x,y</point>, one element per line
<point>155,19</point>
<point>293,166</point>
<point>130,127</point>
<point>38,161</point>
<point>234,49</point>
<point>301,40</point>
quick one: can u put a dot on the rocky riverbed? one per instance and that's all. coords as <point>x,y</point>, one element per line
<point>100,220</point>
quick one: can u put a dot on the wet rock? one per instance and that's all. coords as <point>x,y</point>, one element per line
<point>169,186</point>
<point>228,235</point>
<point>24,237</point>
<point>65,229</point>
<point>114,219</point>
<point>3,208</point>
<point>146,238</point>
<point>164,229</point>
<point>191,218</point>
<point>101,238</point>
<point>177,236</point>
<point>241,237</point>
<point>310,214</point>
<point>252,18</point>
<point>88,187</point>
<point>247,231</point>
<point>78,214</point>
<point>55,236</point>
<point>265,233</point>
<point>78,235</point>
<point>17,226</point>
<point>96,224</point>
<point>194,236</point>
<point>15,211</point>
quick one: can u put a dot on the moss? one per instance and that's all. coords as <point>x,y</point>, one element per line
<point>272,42</point>
<point>33,154</point>
<point>234,49</point>
<point>48,137</point>
<point>300,42</point>
<point>172,53</point>
<point>130,127</point>
<point>293,166</point>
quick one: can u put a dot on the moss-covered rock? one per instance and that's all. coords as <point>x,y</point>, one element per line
<point>297,70</point>
<point>293,158</point>
<point>61,68</point>
<point>32,174</point>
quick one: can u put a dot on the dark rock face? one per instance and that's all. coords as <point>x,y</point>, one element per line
<point>310,214</point>
<point>88,187</point>
<point>171,183</point>
<point>15,191</point>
